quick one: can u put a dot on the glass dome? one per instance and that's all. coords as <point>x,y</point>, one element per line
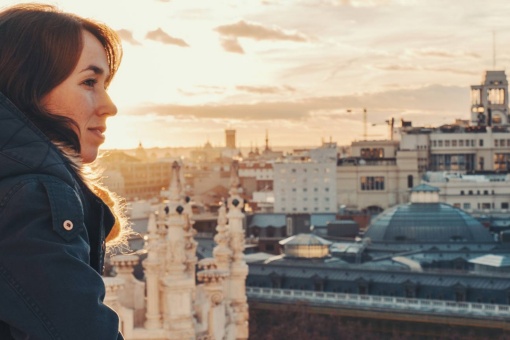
<point>426,222</point>
<point>306,246</point>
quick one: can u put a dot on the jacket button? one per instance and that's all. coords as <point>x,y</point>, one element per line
<point>68,225</point>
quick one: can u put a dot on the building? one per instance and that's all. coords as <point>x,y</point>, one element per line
<point>230,138</point>
<point>307,183</point>
<point>378,175</point>
<point>423,249</point>
<point>133,178</point>
<point>476,147</point>
<point>477,194</point>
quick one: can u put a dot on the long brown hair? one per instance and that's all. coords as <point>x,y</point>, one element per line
<point>39,48</point>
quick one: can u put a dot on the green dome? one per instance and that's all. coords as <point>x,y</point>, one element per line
<point>426,222</point>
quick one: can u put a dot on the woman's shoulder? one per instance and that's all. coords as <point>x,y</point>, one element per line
<point>36,202</point>
<point>36,191</point>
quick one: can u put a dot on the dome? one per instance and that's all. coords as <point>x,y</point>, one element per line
<point>306,246</point>
<point>426,222</point>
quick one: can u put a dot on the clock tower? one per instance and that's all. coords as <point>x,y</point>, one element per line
<point>489,101</point>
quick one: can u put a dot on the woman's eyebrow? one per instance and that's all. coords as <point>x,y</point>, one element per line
<point>96,69</point>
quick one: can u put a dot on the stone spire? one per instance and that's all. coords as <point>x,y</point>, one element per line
<point>238,267</point>
<point>222,252</point>
<point>152,266</point>
<point>178,286</point>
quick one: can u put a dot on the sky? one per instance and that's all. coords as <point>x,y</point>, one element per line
<point>302,70</point>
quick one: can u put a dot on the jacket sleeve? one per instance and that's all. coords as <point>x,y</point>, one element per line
<point>47,288</point>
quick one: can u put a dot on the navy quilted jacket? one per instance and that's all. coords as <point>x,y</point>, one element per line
<point>52,231</point>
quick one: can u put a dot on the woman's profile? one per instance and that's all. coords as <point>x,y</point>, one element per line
<point>55,219</point>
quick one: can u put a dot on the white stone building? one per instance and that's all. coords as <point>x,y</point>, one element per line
<point>477,194</point>
<point>169,304</point>
<point>306,185</point>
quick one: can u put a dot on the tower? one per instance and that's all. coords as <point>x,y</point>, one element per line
<point>489,101</point>
<point>230,138</point>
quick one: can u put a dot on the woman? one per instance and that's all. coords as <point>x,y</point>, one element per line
<point>55,68</point>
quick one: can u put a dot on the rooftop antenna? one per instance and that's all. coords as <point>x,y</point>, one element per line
<point>494,50</point>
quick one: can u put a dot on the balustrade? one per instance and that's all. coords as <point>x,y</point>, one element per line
<point>478,310</point>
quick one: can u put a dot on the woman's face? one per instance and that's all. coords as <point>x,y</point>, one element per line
<point>83,97</point>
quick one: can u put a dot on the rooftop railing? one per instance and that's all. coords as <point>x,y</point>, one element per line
<point>421,306</point>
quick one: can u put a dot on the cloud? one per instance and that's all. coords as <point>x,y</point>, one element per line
<point>431,52</point>
<point>265,89</point>
<point>201,90</point>
<point>406,68</point>
<point>244,29</point>
<point>436,100</point>
<point>127,36</point>
<point>353,3</point>
<point>231,45</point>
<point>163,37</point>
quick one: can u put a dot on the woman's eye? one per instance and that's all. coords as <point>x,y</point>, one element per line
<point>90,82</point>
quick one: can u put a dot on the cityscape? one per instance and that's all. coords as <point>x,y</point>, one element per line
<point>309,169</point>
<point>406,236</point>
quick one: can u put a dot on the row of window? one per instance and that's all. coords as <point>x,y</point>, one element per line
<point>455,143</point>
<point>314,180</point>
<point>306,189</point>
<point>315,170</point>
<point>372,183</point>
<point>478,192</point>
<point>499,143</point>
<point>467,206</point>
<point>305,209</point>
<point>305,199</point>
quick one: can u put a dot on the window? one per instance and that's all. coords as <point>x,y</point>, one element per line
<point>434,144</point>
<point>369,183</point>
<point>496,143</point>
<point>462,192</point>
<point>454,143</point>
<point>440,143</point>
<point>446,143</point>
<point>504,205</point>
<point>372,153</point>
<point>466,206</point>
<point>409,181</point>
<point>480,142</point>
<point>461,142</point>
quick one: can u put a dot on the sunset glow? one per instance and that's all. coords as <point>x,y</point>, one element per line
<point>193,68</point>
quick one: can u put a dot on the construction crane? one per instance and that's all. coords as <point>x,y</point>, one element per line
<point>365,123</point>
